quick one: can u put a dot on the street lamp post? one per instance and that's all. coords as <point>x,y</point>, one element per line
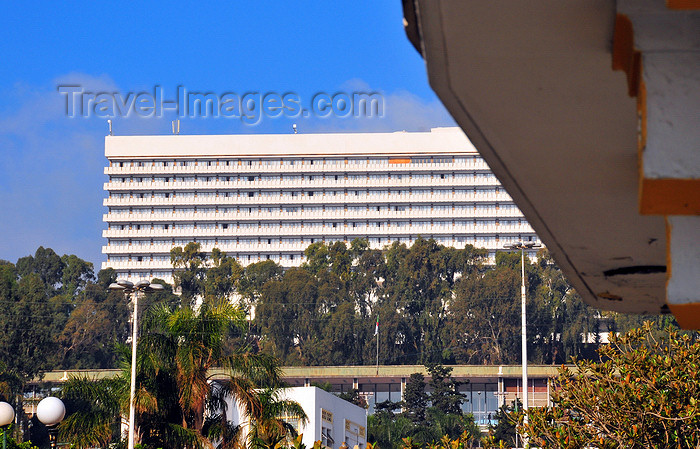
<point>522,247</point>
<point>7,415</point>
<point>50,412</point>
<point>133,290</point>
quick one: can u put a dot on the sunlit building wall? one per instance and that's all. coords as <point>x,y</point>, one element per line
<point>260,197</point>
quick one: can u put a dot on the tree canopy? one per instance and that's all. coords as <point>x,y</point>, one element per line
<point>644,392</point>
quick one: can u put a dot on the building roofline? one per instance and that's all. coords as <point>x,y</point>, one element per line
<point>437,141</point>
<point>343,372</point>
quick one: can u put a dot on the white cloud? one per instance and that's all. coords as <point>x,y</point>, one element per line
<point>403,111</point>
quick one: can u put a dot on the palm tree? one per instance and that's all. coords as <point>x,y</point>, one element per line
<point>270,425</point>
<point>178,348</point>
<point>94,410</point>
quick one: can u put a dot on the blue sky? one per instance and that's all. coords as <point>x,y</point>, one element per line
<point>51,165</point>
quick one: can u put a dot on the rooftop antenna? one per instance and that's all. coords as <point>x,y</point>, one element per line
<point>294,127</point>
<point>176,126</point>
<point>110,127</point>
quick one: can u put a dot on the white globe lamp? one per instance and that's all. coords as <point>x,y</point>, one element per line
<point>7,415</point>
<point>51,411</point>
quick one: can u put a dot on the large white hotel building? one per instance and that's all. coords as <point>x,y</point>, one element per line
<point>259,197</point>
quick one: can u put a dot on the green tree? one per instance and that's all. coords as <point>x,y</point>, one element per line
<point>45,263</point>
<point>354,397</point>
<point>288,317</point>
<point>177,403</point>
<point>27,324</point>
<point>98,321</point>
<point>485,317</point>
<point>503,434</point>
<point>445,395</point>
<point>93,409</point>
<point>222,278</point>
<point>190,268</point>
<point>75,275</point>
<point>180,346</point>
<point>255,276</point>
<point>643,393</point>
<point>386,431</point>
<point>415,399</point>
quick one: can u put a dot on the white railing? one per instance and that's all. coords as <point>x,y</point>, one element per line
<point>329,231</point>
<point>317,183</point>
<point>282,200</point>
<point>141,216</point>
<point>317,167</point>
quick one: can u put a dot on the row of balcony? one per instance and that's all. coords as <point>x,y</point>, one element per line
<point>292,231</point>
<point>148,267</point>
<point>258,252</point>
<point>460,164</point>
<point>116,184</point>
<point>264,215</point>
<point>279,200</point>
<point>276,246</point>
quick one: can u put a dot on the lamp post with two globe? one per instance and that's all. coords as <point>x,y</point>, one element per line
<point>522,247</point>
<point>134,290</point>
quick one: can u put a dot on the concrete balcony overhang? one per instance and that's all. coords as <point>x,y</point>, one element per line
<point>532,84</point>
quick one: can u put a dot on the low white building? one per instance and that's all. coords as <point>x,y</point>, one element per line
<point>331,420</point>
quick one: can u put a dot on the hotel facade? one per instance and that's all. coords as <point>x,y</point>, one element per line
<point>260,197</point>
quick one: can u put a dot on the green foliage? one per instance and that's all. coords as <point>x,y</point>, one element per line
<point>436,304</point>
<point>445,396</point>
<point>93,407</point>
<point>419,425</point>
<point>190,265</point>
<point>13,444</point>
<point>268,428</point>
<point>354,397</point>
<point>177,405</point>
<point>415,399</point>
<point>27,319</point>
<point>643,393</point>
<point>503,434</point>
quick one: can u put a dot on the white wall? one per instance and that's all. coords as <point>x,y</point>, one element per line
<point>314,400</point>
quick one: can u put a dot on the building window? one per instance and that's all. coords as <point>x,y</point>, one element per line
<point>327,436</point>
<point>327,428</point>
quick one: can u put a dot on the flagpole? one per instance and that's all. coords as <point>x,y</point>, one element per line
<point>377,332</point>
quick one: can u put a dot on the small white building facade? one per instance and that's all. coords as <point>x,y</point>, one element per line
<point>331,420</point>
